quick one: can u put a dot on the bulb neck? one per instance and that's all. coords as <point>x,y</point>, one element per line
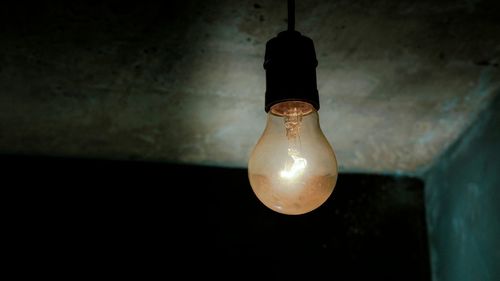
<point>290,64</point>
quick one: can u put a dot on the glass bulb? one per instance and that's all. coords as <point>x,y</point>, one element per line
<point>292,169</point>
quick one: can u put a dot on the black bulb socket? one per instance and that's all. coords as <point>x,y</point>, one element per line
<point>290,64</point>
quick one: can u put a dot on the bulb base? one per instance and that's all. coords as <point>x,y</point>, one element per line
<point>290,64</point>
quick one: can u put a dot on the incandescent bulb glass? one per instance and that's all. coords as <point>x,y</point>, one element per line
<point>292,169</point>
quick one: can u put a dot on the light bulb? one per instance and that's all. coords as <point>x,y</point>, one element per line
<point>292,169</point>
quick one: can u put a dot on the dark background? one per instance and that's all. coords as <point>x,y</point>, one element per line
<point>115,80</point>
<point>152,218</point>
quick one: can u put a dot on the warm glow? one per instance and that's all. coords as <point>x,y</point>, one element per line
<point>292,169</point>
<point>297,167</point>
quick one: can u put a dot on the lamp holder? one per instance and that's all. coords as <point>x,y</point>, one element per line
<point>290,63</point>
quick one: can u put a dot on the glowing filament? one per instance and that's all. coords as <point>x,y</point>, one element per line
<point>297,167</point>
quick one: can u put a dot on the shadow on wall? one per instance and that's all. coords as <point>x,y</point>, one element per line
<point>150,218</point>
<point>463,210</point>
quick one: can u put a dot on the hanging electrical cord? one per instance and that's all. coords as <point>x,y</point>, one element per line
<point>291,15</point>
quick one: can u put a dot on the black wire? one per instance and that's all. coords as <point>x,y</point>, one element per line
<point>291,15</point>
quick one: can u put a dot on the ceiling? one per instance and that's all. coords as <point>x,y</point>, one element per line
<point>399,81</point>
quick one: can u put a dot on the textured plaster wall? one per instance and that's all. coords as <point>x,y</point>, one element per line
<point>182,81</point>
<point>463,210</point>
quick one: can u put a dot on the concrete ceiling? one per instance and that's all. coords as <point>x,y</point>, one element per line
<point>399,81</point>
